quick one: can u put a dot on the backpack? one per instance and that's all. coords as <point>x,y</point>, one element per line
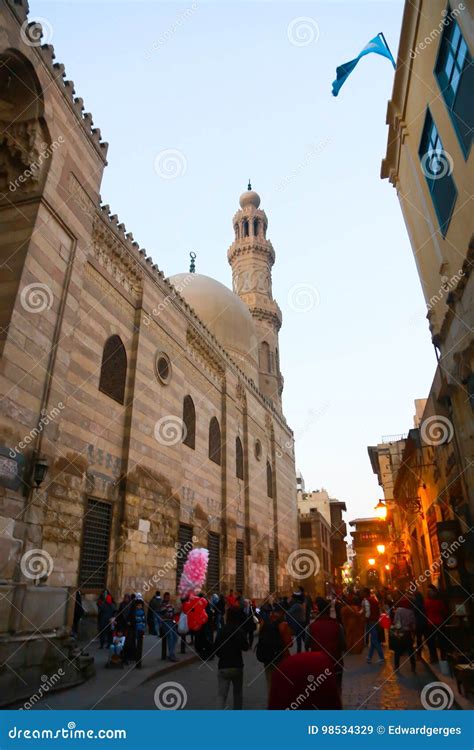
<point>270,645</point>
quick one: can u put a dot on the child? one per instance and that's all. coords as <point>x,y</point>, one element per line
<point>140,627</point>
<point>118,642</point>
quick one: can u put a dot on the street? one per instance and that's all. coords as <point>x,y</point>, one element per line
<point>195,684</point>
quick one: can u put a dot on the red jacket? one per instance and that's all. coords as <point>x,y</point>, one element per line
<point>325,635</point>
<point>303,682</point>
<point>195,609</point>
<point>436,611</point>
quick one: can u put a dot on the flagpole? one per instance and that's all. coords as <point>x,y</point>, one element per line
<point>382,36</point>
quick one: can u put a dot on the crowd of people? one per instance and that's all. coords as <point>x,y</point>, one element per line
<point>323,631</point>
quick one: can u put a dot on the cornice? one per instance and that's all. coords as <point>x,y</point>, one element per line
<point>251,246</point>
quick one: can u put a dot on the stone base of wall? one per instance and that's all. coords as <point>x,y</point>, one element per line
<point>36,665</point>
<point>37,654</point>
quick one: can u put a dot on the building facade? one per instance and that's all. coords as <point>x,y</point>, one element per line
<point>152,404</point>
<point>429,541</point>
<point>316,535</point>
<point>429,162</point>
<point>338,539</point>
<point>368,563</point>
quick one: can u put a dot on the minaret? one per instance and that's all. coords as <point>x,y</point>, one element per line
<point>252,256</point>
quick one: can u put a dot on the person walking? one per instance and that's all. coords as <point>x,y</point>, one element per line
<point>420,618</point>
<point>228,647</point>
<point>326,634</point>
<point>169,628</point>
<point>296,619</point>
<point>128,615</point>
<point>353,622</point>
<point>154,607</point>
<point>203,636</point>
<point>371,608</point>
<point>79,613</point>
<point>248,618</point>
<point>106,610</point>
<point>403,631</point>
<point>274,642</point>
<point>436,613</point>
<point>140,627</point>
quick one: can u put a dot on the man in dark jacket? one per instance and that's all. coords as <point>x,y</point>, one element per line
<point>228,646</point>
<point>154,609</point>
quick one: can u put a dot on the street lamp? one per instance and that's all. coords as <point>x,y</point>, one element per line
<point>40,468</point>
<point>380,548</point>
<point>381,510</point>
<point>371,561</point>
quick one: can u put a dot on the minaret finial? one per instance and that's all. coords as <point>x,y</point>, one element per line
<point>192,265</point>
<point>249,187</point>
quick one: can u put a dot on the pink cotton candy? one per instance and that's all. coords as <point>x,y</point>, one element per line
<point>194,572</point>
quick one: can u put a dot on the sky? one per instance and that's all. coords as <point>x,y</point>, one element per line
<point>232,90</point>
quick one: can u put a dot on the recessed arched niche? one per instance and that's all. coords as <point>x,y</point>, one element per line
<point>25,144</point>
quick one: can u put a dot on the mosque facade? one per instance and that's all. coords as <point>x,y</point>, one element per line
<point>140,415</point>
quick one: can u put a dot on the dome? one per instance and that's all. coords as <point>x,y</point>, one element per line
<point>226,316</point>
<point>249,198</point>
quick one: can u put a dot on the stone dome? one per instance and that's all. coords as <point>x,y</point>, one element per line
<point>226,316</point>
<point>249,198</point>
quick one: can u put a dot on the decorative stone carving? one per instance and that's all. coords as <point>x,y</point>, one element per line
<point>24,154</point>
<point>115,260</point>
<point>207,355</point>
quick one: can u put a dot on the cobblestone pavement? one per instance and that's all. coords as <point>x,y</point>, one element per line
<point>365,686</point>
<point>370,686</point>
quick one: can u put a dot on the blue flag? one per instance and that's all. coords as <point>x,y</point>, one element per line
<point>343,72</point>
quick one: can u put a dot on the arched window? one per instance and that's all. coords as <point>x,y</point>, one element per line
<point>245,228</point>
<point>239,459</point>
<point>255,227</point>
<point>269,480</point>
<point>113,371</point>
<point>237,232</point>
<point>265,357</point>
<point>215,441</point>
<point>189,422</point>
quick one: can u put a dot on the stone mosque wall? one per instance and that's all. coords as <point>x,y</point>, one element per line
<point>73,278</point>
